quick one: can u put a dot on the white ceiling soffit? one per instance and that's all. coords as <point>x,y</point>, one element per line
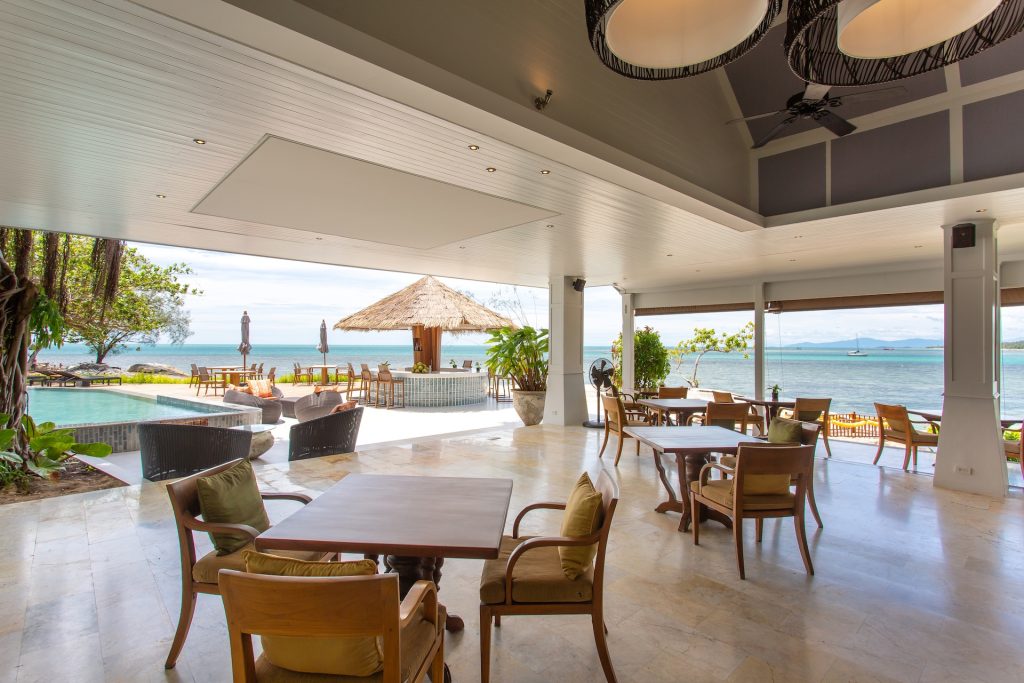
<point>292,185</point>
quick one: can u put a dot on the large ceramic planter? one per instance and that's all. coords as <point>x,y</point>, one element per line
<point>529,406</point>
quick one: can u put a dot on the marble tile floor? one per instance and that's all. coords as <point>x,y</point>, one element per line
<point>913,583</point>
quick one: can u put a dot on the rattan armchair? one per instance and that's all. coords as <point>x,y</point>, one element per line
<point>271,407</point>
<point>334,433</point>
<point>319,404</point>
<point>169,451</point>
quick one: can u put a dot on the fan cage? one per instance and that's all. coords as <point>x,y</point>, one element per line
<point>597,20</point>
<point>813,51</point>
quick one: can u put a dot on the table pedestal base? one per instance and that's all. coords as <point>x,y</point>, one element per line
<point>689,470</point>
<point>413,569</point>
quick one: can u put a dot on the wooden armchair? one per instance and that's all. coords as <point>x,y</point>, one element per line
<point>763,475</point>
<point>527,578</point>
<point>673,392</point>
<point>729,415</point>
<point>1013,447</point>
<point>812,410</point>
<point>616,418</point>
<point>411,632</point>
<point>200,575</point>
<point>894,424</point>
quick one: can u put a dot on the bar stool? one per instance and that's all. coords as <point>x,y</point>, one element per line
<point>369,385</point>
<point>388,382</point>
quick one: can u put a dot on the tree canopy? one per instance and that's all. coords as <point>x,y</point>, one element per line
<point>651,365</point>
<point>705,340</point>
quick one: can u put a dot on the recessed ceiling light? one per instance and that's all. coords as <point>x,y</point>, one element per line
<point>319,238</point>
<point>199,141</point>
<point>798,237</point>
<point>545,172</point>
<point>461,247</point>
<point>918,246</point>
<point>491,169</point>
<point>551,225</point>
<point>474,147</point>
<point>668,254</point>
<point>697,271</point>
<point>981,211</point>
<point>161,196</point>
<point>792,260</point>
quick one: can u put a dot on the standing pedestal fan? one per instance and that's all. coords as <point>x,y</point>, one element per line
<point>600,373</point>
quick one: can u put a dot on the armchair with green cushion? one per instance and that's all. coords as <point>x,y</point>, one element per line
<point>763,475</point>
<point>812,410</point>
<point>785,432</point>
<point>232,531</point>
<point>310,615</point>
<point>561,574</point>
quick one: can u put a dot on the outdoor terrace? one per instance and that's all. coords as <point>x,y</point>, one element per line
<point>913,583</point>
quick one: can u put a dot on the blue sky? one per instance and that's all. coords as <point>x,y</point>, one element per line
<point>287,299</point>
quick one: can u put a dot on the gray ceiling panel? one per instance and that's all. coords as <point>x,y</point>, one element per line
<point>993,143</point>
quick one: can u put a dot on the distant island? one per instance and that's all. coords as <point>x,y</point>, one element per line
<point>869,343</point>
<point>1013,345</point>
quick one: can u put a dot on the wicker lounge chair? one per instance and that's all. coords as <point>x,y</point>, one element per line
<point>66,378</point>
<point>170,451</point>
<point>317,405</point>
<point>271,407</point>
<point>334,433</point>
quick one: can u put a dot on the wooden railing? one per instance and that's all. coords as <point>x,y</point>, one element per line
<point>853,424</point>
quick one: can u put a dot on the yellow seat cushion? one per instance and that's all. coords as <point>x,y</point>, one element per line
<point>720,491</point>
<point>537,577</point>
<point>340,656</point>
<point>582,518</point>
<point>918,437</point>
<point>206,569</point>
<point>417,638</point>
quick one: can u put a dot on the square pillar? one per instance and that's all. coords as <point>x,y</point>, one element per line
<point>628,342</point>
<point>759,336</point>
<point>970,452</point>
<point>566,402</point>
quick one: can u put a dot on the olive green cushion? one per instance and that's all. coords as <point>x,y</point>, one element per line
<point>582,518</point>
<point>537,577</point>
<point>783,431</point>
<point>232,497</point>
<point>340,656</point>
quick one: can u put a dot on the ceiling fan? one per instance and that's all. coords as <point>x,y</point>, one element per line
<point>814,103</point>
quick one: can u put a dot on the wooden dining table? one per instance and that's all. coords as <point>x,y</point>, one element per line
<point>691,447</point>
<point>231,374</point>
<point>771,406</point>
<point>683,407</point>
<point>325,372</point>
<point>414,522</point>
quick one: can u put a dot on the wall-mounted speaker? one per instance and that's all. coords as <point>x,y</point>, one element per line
<point>578,284</point>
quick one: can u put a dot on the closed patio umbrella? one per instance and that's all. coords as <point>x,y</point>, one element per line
<point>323,347</point>
<point>245,348</point>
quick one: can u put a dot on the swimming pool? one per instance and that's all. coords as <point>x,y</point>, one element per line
<point>98,406</point>
<point>112,416</point>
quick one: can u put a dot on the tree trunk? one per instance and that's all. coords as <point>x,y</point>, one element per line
<point>18,296</point>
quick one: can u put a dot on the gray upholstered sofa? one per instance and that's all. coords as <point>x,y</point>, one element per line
<point>271,407</point>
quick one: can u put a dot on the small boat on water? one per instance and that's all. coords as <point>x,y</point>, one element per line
<point>858,352</point>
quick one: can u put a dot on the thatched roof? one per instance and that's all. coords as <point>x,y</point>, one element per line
<point>426,302</point>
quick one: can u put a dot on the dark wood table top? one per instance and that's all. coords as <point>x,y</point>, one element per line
<point>674,403</point>
<point>781,403</point>
<point>399,515</point>
<point>691,440</point>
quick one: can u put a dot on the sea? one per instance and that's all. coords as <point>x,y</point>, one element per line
<point>912,377</point>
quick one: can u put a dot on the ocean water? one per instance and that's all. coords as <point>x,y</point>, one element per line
<point>912,377</point>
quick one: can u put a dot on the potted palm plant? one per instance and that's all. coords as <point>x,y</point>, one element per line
<point>522,356</point>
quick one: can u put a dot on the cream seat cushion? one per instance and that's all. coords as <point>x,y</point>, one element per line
<point>720,491</point>
<point>919,437</point>
<point>206,569</point>
<point>537,577</point>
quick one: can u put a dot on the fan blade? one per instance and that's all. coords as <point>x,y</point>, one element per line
<point>836,124</point>
<point>756,116</point>
<point>868,95</point>
<point>815,92</point>
<point>774,131</point>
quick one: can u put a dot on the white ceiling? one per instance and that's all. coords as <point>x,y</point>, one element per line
<point>100,101</point>
<point>296,186</point>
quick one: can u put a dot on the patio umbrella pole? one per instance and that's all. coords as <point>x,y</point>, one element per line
<point>245,347</point>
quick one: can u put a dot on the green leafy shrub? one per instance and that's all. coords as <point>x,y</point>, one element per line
<point>522,355</point>
<point>48,447</point>
<point>150,378</point>
<point>651,365</point>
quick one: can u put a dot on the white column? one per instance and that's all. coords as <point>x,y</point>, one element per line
<point>759,338</point>
<point>566,403</point>
<point>628,339</point>
<point>970,454</point>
